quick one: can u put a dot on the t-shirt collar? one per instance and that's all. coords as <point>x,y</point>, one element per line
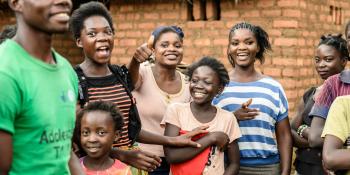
<point>345,76</point>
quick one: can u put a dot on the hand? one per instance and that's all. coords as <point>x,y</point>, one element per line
<point>186,139</point>
<point>140,159</point>
<point>142,53</point>
<point>221,140</point>
<point>246,113</point>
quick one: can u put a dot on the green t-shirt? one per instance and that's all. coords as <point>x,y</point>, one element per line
<point>37,106</point>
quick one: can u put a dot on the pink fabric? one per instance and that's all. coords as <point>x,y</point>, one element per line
<point>118,168</point>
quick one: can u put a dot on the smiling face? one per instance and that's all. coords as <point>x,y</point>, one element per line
<point>96,39</point>
<point>328,61</point>
<point>49,16</point>
<point>243,47</point>
<point>204,85</point>
<point>168,49</point>
<point>97,133</point>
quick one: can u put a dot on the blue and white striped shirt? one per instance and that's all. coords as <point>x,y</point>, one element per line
<point>258,142</point>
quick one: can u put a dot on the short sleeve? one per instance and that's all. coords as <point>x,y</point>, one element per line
<point>337,123</point>
<point>283,105</point>
<point>142,74</point>
<point>9,102</point>
<point>171,116</point>
<point>323,101</point>
<point>234,131</point>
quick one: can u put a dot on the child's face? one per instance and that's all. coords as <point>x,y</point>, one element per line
<point>204,85</point>
<point>97,133</point>
<point>168,49</point>
<point>96,39</point>
<point>243,47</point>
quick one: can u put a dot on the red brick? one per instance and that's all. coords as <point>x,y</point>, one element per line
<point>266,3</point>
<point>133,34</point>
<point>146,25</point>
<point>290,72</point>
<point>127,42</point>
<point>221,42</point>
<point>291,13</point>
<point>272,13</point>
<point>195,24</point>
<point>285,23</point>
<point>285,41</point>
<point>288,3</point>
<point>126,8</point>
<point>151,15</point>
<point>230,14</point>
<point>123,26</point>
<point>274,72</point>
<point>170,15</point>
<point>202,42</point>
<point>251,13</point>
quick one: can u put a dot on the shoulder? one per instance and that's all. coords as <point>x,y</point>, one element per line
<point>224,114</point>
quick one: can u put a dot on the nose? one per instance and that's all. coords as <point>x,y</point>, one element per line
<point>64,3</point>
<point>92,138</point>
<point>101,37</point>
<point>242,46</point>
<point>322,63</point>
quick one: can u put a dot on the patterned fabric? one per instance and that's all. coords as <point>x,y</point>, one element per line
<point>334,86</point>
<point>134,170</point>
<point>118,168</point>
<point>108,89</point>
<point>258,143</point>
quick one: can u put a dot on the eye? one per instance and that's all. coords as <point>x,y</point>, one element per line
<point>91,34</point>
<point>194,81</point>
<point>234,43</point>
<point>329,59</point>
<point>250,42</point>
<point>101,133</point>
<point>178,45</point>
<point>208,82</point>
<point>85,133</point>
<point>164,45</point>
<point>317,60</point>
<point>109,32</point>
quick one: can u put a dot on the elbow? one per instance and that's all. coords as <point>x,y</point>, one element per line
<point>170,157</point>
<point>314,141</point>
<point>329,161</point>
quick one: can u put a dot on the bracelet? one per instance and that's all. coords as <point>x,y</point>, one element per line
<point>301,129</point>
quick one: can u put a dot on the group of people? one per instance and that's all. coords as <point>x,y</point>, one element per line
<point>148,117</point>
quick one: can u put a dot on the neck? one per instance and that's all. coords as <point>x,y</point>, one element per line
<point>36,43</point>
<point>94,70</point>
<point>244,73</point>
<point>97,164</point>
<point>202,107</point>
<point>164,73</point>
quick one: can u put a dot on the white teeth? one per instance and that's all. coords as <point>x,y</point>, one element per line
<point>199,94</point>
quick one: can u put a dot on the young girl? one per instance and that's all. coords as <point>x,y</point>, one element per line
<point>260,154</point>
<point>98,126</point>
<point>207,79</point>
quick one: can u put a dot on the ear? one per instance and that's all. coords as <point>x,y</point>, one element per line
<point>344,61</point>
<point>220,90</point>
<point>16,5</point>
<point>79,43</point>
<point>117,136</point>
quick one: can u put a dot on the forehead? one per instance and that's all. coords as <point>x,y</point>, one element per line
<point>242,33</point>
<point>204,71</point>
<point>326,49</point>
<point>96,22</point>
<point>169,36</point>
<point>97,119</point>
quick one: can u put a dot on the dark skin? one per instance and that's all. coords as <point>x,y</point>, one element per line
<point>335,157</point>
<point>243,48</point>
<point>36,22</point>
<point>328,62</point>
<point>95,35</point>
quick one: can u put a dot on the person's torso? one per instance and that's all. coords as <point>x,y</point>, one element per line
<point>45,121</point>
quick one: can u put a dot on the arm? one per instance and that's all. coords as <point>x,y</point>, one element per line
<point>334,156</point>
<point>5,152</point>
<point>177,155</point>
<point>233,156</point>
<point>300,142</point>
<point>74,165</point>
<point>178,141</point>
<point>141,54</point>
<point>315,139</point>
<point>284,143</point>
<point>137,158</point>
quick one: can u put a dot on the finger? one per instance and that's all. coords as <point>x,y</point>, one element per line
<point>150,42</point>
<point>247,103</point>
<point>147,51</point>
<point>252,114</point>
<point>195,132</point>
<point>153,157</point>
<point>194,144</point>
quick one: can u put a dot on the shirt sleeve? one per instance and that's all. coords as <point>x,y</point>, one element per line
<point>337,123</point>
<point>323,101</point>
<point>171,116</point>
<point>233,132</point>
<point>9,102</point>
<point>283,105</point>
<point>142,74</point>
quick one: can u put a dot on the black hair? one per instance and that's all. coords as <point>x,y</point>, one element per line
<point>337,42</point>
<point>165,29</point>
<point>347,28</point>
<point>76,22</point>
<point>214,64</point>
<point>261,36</point>
<point>102,106</point>
<point>8,32</point>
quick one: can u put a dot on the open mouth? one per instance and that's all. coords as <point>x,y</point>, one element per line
<point>198,95</point>
<point>62,17</point>
<point>103,51</point>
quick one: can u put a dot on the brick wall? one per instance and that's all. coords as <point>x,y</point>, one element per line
<point>294,27</point>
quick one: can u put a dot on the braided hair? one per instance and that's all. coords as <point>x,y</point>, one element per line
<point>336,41</point>
<point>261,36</point>
<point>165,29</point>
<point>214,64</point>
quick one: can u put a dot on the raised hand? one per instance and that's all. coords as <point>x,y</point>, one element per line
<point>144,52</point>
<point>246,113</point>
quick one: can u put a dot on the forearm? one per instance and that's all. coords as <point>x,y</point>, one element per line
<point>177,155</point>
<point>284,144</point>
<point>6,149</point>
<point>151,138</point>
<point>74,165</point>
<point>315,140</point>
<point>337,159</point>
<point>133,68</point>
<point>233,156</point>
<point>298,141</point>
<point>232,169</point>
